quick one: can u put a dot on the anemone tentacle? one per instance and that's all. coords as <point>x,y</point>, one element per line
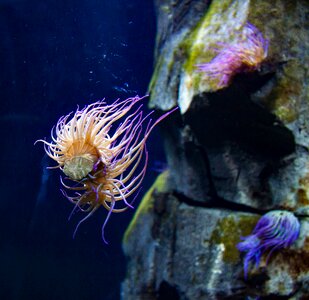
<point>101,148</point>
<point>276,229</point>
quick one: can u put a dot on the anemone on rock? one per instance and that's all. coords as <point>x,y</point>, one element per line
<point>275,230</point>
<point>243,55</point>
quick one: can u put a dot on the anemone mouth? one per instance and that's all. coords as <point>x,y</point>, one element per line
<point>79,167</point>
<point>81,157</point>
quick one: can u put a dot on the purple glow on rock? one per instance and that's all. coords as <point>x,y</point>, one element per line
<point>244,55</point>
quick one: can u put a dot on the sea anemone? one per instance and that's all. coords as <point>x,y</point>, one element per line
<point>276,229</point>
<point>105,165</point>
<point>244,55</point>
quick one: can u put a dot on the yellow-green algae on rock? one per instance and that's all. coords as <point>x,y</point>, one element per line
<point>228,232</point>
<point>302,191</point>
<point>160,185</point>
<point>211,29</point>
<point>284,100</point>
<point>221,23</point>
<point>288,42</point>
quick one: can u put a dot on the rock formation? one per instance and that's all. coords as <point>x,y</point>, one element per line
<point>234,153</point>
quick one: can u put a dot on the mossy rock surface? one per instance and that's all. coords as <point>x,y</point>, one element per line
<point>229,231</point>
<point>146,206</point>
<point>234,149</point>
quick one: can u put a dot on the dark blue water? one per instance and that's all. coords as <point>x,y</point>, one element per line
<point>55,55</point>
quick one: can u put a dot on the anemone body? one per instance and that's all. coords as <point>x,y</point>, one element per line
<point>103,165</point>
<point>275,230</point>
<point>244,55</point>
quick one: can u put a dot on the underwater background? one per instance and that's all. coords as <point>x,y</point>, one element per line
<point>224,217</point>
<point>56,55</point>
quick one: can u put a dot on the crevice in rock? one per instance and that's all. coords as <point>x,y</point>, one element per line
<point>167,291</point>
<point>228,127</point>
<point>218,203</point>
<point>231,115</point>
<point>210,185</point>
<point>275,297</point>
<point>173,248</point>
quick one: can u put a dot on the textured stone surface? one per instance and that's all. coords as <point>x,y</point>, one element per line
<point>234,153</point>
<point>287,271</point>
<point>173,246</point>
<point>188,252</point>
<point>175,19</point>
<point>252,132</point>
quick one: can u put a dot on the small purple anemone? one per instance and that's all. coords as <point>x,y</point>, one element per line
<point>276,229</point>
<point>245,54</point>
